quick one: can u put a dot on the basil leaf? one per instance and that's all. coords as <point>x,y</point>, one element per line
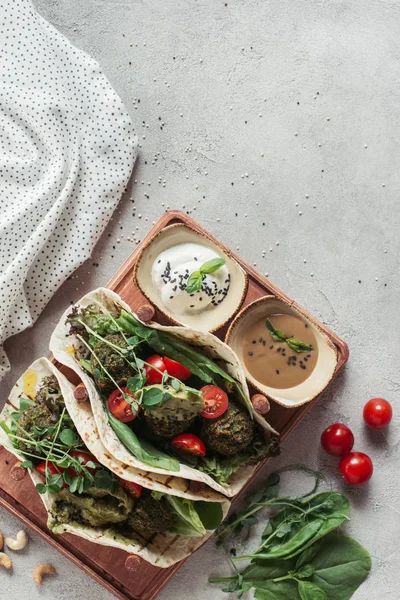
<point>298,346</point>
<point>68,437</point>
<point>310,591</point>
<point>211,266</point>
<point>276,334</point>
<point>194,282</point>
<point>41,488</point>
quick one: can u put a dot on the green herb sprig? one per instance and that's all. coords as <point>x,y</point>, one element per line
<point>278,336</point>
<point>195,279</point>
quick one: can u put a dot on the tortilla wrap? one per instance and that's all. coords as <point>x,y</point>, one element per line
<point>164,549</point>
<point>63,346</point>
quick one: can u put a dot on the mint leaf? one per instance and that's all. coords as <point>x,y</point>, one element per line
<point>194,282</point>
<point>152,397</point>
<point>41,488</point>
<point>135,383</point>
<point>211,266</point>
<point>68,437</point>
<point>176,384</point>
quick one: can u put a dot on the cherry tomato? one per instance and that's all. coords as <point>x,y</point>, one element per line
<point>120,408</point>
<point>54,470</point>
<point>84,458</point>
<point>378,413</point>
<point>187,443</point>
<point>216,401</point>
<point>175,369</point>
<point>152,375</point>
<point>337,439</point>
<point>356,468</point>
<point>133,488</point>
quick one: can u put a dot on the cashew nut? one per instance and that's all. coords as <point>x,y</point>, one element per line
<point>5,561</point>
<point>41,570</point>
<point>19,543</point>
<point>1,541</point>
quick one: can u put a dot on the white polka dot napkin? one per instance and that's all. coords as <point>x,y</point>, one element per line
<point>67,149</point>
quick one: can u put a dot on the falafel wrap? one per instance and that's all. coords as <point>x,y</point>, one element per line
<point>85,491</point>
<point>165,399</point>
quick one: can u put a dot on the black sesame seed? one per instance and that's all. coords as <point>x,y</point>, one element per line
<point>305,325</point>
<point>277,372</point>
<point>254,342</point>
<point>271,347</point>
<point>250,354</point>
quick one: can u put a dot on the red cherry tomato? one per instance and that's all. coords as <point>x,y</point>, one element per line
<point>84,458</point>
<point>54,470</point>
<point>175,369</point>
<point>378,413</point>
<point>187,443</point>
<point>133,488</point>
<point>337,439</point>
<point>216,401</point>
<point>356,468</point>
<point>120,408</point>
<point>152,375</point>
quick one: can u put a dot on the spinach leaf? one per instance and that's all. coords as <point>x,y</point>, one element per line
<point>301,524</point>
<point>210,513</point>
<point>310,591</point>
<point>142,449</point>
<point>341,565</point>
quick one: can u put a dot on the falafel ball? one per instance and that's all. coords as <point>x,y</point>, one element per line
<point>168,427</point>
<point>115,364</point>
<point>230,433</point>
<point>150,515</point>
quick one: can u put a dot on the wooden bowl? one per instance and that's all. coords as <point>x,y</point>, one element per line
<point>327,354</point>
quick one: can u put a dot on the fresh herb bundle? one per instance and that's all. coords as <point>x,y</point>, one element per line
<point>299,557</point>
<point>278,336</point>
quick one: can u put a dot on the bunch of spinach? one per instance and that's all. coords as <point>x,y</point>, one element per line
<point>299,556</point>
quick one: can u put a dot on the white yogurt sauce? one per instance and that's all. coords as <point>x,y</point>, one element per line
<point>171,270</point>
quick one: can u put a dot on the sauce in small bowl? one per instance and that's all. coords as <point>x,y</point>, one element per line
<point>280,363</point>
<point>286,357</point>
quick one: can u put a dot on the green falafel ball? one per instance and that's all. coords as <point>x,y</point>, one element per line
<point>230,433</point>
<point>168,427</point>
<point>150,515</point>
<point>115,364</point>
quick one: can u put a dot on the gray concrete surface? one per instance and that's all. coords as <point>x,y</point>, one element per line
<point>287,113</point>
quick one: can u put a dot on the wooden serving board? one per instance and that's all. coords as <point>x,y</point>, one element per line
<point>107,565</point>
